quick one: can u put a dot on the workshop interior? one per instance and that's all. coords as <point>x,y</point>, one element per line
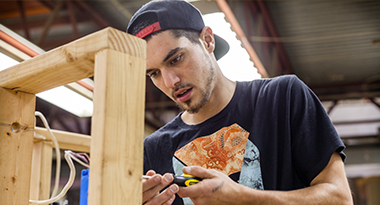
<point>333,46</point>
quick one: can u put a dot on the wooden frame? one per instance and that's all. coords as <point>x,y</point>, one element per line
<point>118,61</point>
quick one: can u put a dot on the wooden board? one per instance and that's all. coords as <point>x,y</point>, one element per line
<point>13,52</point>
<point>67,140</point>
<point>17,111</point>
<point>117,129</point>
<point>68,63</point>
<point>41,170</point>
<point>118,122</point>
<point>80,90</point>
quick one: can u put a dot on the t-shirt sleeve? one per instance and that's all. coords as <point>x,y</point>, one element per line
<point>314,138</point>
<point>147,165</point>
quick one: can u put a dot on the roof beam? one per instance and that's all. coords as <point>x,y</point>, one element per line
<point>47,3</point>
<point>59,21</point>
<point>239,32</point>
<point>50,20</point>
<point>374,102</point>
<point>98,19</point>
<point>73,21</point>
<point>273,32</point>
<point>265,47</point>
<point>21,8</point>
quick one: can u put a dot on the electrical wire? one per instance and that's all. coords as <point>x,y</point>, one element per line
<point>57,152</point>
<point>81,158</point>
<point>68,156</point>
<point>75,157</point>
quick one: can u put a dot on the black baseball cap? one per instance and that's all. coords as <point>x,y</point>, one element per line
<point>171,14</point>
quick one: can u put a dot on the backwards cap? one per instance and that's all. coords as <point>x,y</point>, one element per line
<point>166,14</point>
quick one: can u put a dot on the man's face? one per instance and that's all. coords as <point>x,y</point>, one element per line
<point>181,69</point>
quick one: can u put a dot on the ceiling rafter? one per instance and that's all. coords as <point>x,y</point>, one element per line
<point>273,32</point>
<point>47,3</point>
<point>265,47</point>
<point>97,18</point>
<point>49,22</point>
<point>223,5</point>
<point>21,8</point>
<point>73,21</point>
<point>58,21</point>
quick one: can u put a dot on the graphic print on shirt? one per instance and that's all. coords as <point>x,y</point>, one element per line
<point>228,150</point>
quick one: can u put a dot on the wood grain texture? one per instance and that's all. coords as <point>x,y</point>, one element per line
<point>41,170</point>
<point>117,129</point>
<point>16,146</point>
<point>67,140</point>
<point>68,63</point>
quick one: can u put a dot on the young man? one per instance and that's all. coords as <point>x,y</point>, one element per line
<point>268,141</point>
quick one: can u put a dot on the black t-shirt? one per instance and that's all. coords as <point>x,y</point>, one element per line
<point>274,135</point>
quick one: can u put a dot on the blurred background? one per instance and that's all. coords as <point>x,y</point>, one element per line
<point>332,45</point>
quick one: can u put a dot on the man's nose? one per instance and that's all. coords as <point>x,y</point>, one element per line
<point>170,78</point>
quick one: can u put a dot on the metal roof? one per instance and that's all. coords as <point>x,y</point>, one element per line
<point>330,43</point>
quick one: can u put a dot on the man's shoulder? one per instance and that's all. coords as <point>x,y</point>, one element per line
<point>283,79</point>
<point>266,85</point>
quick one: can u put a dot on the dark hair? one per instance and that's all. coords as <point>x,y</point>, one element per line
<point>192,35</point>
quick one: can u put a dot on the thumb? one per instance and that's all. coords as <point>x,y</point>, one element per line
<point>199,172</point>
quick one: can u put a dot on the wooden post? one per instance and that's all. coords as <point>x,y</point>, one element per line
<point>67,140</point>
<point>117,129</point>
<point>41,170</point>
<point>118,121</point>
<point>16,112</point>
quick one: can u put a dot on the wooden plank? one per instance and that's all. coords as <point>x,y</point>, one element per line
<point>17,111</point>
<point>20,56</point>
<point>41,170</point>
<point>67,140</point>
<point>80,90</point>
<point>117,129</point>
<point>13,52</point>
<point>68,63</point>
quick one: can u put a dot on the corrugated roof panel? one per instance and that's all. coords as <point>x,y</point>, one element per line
<point>330,41</point>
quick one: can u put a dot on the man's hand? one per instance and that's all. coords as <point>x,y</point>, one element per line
<point>153,186</point>
<point>330,186</point>
<point>215,188</point>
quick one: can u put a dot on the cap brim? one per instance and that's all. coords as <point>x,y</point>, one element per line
<point>221,47</point>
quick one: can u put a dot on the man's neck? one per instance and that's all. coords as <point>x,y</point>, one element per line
<point>221,95</point>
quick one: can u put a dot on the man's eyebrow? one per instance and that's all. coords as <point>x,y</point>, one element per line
<point>171,53</point>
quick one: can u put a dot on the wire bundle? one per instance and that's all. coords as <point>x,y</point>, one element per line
<point>81,158</point>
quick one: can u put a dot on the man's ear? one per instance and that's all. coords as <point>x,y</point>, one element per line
<point>207,37</point>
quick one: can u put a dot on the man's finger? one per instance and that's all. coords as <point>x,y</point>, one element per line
<point>150,173</point>
<point>152,186</point>
<point>170,201</point>
<point>152,182</point>
<point>199,172</point>
<point>165,197</point>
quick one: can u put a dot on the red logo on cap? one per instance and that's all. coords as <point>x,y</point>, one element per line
<point>148,30</point>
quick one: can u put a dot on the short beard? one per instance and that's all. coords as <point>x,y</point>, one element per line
<point>205,94</point>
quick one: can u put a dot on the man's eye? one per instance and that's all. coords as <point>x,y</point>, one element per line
<point>176,59</point>
<point>152,74</point>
